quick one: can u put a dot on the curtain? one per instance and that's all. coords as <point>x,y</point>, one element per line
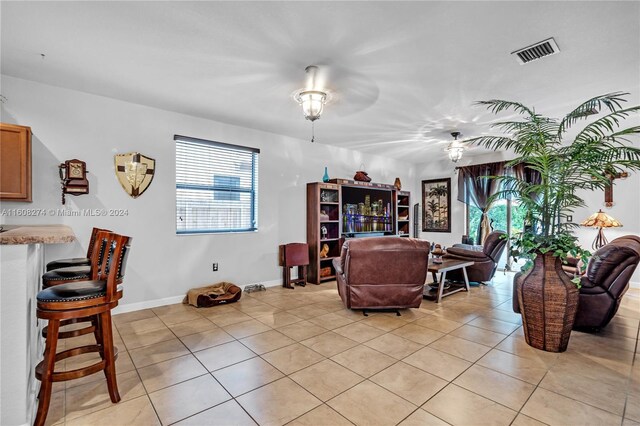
<point>475,187</point>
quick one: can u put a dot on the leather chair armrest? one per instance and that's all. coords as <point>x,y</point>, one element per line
<point>468,247</point>
<point>460,252</point>
<point>585,282</point>
<point>337,264</point>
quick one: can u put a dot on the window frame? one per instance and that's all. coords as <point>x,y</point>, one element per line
<point>213,188</point>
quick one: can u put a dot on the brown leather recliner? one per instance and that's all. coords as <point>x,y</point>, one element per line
<point>485,258</point>
<point>382,272</point>
<point>604,283</point>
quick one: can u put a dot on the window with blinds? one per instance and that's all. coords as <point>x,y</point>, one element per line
<point>216,187</point>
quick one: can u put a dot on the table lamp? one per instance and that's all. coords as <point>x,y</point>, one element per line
<point>600,220</point>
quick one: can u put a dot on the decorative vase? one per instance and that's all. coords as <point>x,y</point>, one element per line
<point>325,178</point>
<point>397,184</point>
<point>548,303</point>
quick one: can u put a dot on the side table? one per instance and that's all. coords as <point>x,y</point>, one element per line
<point>443,268</point>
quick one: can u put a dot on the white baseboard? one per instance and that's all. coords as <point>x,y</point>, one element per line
<point>130,307</point>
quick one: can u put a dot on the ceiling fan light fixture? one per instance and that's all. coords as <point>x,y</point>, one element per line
<point>454,149</point>
<point>311,98</point>
<point>312,102</point>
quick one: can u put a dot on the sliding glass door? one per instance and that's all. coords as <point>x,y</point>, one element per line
<point>504,215</point>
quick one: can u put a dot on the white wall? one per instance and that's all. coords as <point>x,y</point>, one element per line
<point>626,194</point>
<point>68,124</point>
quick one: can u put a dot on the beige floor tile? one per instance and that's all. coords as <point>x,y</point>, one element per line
<point>306,312</point>
<point>409,382</point>
<point>571,379</point>
<point>128,317</point>
<point>496,386</point>
<point>260,310</point>
<point>458,406</point>
<point>185,399</point>
<point>632,410</point>
<point>363,360</point>
<point>292,358</point>
<point>246,328</point>
<point>359,332</point>
<point>247,375</point>
<point>393,345</point>
<point>461,348</point>
<point>370,404</point>
<point>159,352</point>
<point>554,409</point>
<point>55,415</point>
<point>329,343</point>
<point>331,321</point>
<point>225,414</point>
<point>174,318</point>
<point>629,422</point>
<point>439,324</point>
<point>505,316</point>
<point>167,373</point>
<point>206,339</point>
<point>438,363</point>
<point>173,308</point>
<point>267,341</point>
<point>192,327</point>
<point>479,335</point>
<point>422,418</point>
<point>133,341</point>
<point>278,403</point>
<point>528,369</point>
<point>301,330</point>
<point>138,411</point>
<point>224,355</point>
<point>278,319</point>
<point>517,345</point>
<point>140,326</point>
<point>225,318</point>
<point>323,415</point>
<point>326,379</point>
<point>493,324</point>
<point>85,399</point>
<point>383,322</point>
<point>522,420</point>
<point>418,333</point>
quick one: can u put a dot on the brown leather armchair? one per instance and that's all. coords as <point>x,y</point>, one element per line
<point>382,272</point>
<point>485,258</point>
<point>604,283</point>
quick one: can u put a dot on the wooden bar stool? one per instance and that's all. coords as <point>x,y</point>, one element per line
<point>78,273</point>
<point>81,299</point>
<point>291,255</point>
<point>77,261</point>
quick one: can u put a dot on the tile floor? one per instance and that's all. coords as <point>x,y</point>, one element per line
<point>298,357</point>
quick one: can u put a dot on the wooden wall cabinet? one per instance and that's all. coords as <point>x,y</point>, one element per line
<point>325,223</point>
<point>15,163</point>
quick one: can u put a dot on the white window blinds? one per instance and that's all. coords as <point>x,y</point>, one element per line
<point>216,187</point>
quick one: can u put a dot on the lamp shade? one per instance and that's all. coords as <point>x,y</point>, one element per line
<point>601,220</point>
<point>312,102</point>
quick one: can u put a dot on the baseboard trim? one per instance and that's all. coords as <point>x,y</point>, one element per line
<point>138,306</point>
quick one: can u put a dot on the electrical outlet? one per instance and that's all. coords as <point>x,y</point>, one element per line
<point>569,218</point>
<point>215,267</point>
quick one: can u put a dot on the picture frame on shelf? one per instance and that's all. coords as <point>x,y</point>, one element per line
<point>436,205</point>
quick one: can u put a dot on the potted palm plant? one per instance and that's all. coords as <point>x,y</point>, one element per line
<point>553,172</point>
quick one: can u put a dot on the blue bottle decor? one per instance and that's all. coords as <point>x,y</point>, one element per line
<point>325,178</point>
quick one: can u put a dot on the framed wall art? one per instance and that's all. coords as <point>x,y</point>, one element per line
<point>436,205</point>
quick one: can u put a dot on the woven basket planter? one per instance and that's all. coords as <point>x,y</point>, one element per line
<point>548,303</point>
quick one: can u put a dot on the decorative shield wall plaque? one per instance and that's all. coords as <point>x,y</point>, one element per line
<point>134,172</point>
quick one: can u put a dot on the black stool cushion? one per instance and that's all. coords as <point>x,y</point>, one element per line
<point>65,274</point>
<point>66,263</point>
<point>73,292</point>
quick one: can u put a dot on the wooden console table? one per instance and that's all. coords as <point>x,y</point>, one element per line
<point>443,268</point>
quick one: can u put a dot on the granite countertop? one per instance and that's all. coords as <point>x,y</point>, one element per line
<point>36,234</point>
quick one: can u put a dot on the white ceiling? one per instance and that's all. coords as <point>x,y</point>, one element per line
<point>403,74</point>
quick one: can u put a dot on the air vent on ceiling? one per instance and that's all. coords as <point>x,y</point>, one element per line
<point>536,51</point>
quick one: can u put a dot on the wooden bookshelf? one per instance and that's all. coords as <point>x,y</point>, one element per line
<point>403,204</point>
<point>324,210</point>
